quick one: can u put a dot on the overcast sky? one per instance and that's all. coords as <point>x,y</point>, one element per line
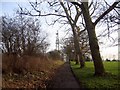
<point>10,6</point>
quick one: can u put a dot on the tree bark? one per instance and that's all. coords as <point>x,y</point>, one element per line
<point>93,42</point>
<point>76,59</point>
<point>80,57</point>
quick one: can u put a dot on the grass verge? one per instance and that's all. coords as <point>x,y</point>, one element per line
<point>89,81</point>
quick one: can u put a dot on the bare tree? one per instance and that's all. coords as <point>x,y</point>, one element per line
<point>68,46</point>
<point>88,16</point>
<point>62,15</point>
<point>23,36</point>
<point>99,68</point>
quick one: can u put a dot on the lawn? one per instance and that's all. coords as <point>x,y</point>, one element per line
<point>87,79</point>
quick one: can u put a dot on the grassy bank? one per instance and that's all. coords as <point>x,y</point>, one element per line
<point>28,72</point>
<point>87,79</point>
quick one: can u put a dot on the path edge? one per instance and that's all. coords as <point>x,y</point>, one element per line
<point>76,78</point>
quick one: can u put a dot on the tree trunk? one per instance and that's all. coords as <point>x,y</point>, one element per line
<point>93,42</point>
<point>76,59</point>
<point>80,58</point>
<point>76,41</point>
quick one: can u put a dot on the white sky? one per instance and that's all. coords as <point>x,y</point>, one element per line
<point>9,8</point>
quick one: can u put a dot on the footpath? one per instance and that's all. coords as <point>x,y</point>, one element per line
<point>64,78</point>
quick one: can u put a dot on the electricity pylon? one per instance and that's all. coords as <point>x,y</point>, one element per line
<point>57,41</point>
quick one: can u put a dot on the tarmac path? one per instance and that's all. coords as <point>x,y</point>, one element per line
<point>64,78</point>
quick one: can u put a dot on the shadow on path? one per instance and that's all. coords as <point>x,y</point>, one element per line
<point>64,78</point>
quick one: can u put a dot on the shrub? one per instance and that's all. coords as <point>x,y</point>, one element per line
<point>55,55</point>
<point>7,63</point>
<point>88,59</point>
<point>114,60</point>
<point>108,60</point>
<point>22,65</point>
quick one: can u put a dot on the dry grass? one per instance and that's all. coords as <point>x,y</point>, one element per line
<point>28,71</point>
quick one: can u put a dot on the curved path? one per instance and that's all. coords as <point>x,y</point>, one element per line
<point>64,78</point>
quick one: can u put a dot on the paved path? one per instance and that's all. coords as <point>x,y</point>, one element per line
<point>64,78</point>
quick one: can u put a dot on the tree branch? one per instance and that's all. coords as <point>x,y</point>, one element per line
<point>106,12</point>
<point>50,14</point>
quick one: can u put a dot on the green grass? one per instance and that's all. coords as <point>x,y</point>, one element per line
<point>88,80</point>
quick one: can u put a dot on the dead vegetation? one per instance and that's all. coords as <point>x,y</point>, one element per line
<point>27,71</point>
<point>25,63</point>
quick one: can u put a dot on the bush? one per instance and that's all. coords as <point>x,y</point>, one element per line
<point>55,55</point>
<point>88,59</point>
<point>108,60</point>
<point>8,63</point>
<point>22,65</point>
<point>114,60</point>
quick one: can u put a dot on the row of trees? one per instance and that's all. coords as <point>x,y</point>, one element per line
<point>90,27</point>
<point>80,16</point>
<point>68,47</point>
<point>23,36</point>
